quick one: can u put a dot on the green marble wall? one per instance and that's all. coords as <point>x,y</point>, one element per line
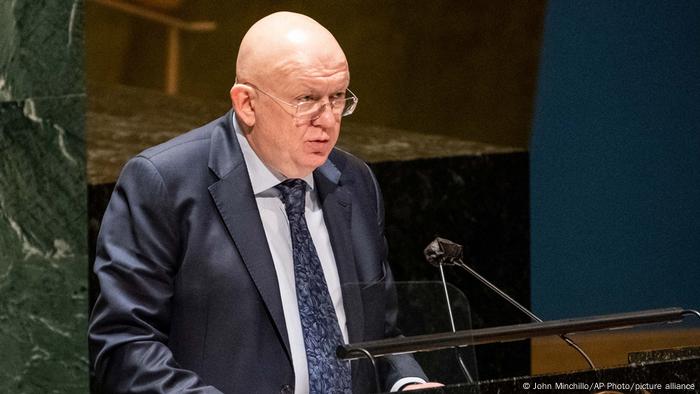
<point>43,253</point>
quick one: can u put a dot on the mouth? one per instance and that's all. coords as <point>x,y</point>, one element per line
<point>320,142</point>
<point>317,146</point>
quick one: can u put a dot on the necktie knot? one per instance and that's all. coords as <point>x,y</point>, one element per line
<point>293,195</point>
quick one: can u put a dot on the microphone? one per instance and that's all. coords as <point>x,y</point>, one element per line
<point>443,252</point>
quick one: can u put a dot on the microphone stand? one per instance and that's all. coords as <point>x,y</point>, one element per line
<point>526,311</point>
<point>462,365</point>
<point>442,251</point>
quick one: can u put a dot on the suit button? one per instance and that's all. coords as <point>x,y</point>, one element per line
<point>287,389</point>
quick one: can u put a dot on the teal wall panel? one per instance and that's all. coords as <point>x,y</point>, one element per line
<point>615,152</point>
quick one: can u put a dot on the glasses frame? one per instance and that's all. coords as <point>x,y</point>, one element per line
<point>350,108</point>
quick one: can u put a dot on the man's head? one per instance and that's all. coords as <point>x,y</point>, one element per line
<point>286,59</point>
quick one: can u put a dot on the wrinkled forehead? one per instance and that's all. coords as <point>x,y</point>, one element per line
<point>304,64</point>
<point>323,68</point>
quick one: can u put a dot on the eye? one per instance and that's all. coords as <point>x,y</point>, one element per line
<point>305,99</point>
<point>338,95</point>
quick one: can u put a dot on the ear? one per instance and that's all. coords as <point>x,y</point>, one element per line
<point>242,100</point>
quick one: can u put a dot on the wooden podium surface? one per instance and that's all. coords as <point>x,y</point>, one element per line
<point>608,349</point>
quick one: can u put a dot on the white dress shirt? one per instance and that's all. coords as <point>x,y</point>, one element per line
<point>276,226</point>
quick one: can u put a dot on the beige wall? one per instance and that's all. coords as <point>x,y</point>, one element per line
<point>464,69</point>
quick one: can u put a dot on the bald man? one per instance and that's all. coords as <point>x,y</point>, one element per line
<point>236,257</point>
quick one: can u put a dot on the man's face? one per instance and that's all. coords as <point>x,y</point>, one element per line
<point>295,147</point>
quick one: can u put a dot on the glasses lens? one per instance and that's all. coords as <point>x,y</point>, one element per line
<point>308,109</point>
<point>313,109</point>
<point>340,106</point>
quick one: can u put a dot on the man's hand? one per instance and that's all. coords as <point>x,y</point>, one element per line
<point>421,386</point>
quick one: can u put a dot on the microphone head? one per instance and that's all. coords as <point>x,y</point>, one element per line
<point>443,252</point>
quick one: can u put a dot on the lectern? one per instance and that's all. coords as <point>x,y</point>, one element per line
<point>654,371</point>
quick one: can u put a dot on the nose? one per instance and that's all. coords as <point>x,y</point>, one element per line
<point>326,118</point>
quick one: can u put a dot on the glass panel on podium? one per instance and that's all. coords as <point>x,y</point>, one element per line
<point>422,310</point>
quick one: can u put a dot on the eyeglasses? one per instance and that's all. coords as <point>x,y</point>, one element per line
<point>342,104</point>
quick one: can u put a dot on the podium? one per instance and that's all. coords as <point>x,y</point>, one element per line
<point>680,375</point>
<point>666,370</point>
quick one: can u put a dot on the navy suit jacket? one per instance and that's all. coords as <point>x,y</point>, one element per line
<point>189,299</point>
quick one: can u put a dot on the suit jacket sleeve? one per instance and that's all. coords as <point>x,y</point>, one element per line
<point>136,262</point>
<point>395,367</point>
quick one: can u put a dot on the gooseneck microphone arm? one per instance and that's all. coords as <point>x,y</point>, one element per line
<point>445,252</point>
<point>498,291</point>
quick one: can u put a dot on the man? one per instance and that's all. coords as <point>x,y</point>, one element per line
<point>236,257</point>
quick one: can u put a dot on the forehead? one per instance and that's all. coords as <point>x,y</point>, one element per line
<point>301,70</point>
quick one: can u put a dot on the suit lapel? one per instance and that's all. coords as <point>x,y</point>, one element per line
<point>233,196</point>
<point>337,213</point>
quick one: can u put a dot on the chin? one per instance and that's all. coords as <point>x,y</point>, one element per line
<point>316,160</point>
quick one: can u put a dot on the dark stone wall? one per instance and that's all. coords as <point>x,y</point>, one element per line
<point>473,193</point>
<point>43,248</point>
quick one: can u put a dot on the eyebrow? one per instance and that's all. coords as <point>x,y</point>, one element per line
<point>308,90</point>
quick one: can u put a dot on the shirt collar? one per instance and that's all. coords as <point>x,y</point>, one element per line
<point>262,177</point>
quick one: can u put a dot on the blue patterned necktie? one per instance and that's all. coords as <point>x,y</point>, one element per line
<point>327,374</point>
